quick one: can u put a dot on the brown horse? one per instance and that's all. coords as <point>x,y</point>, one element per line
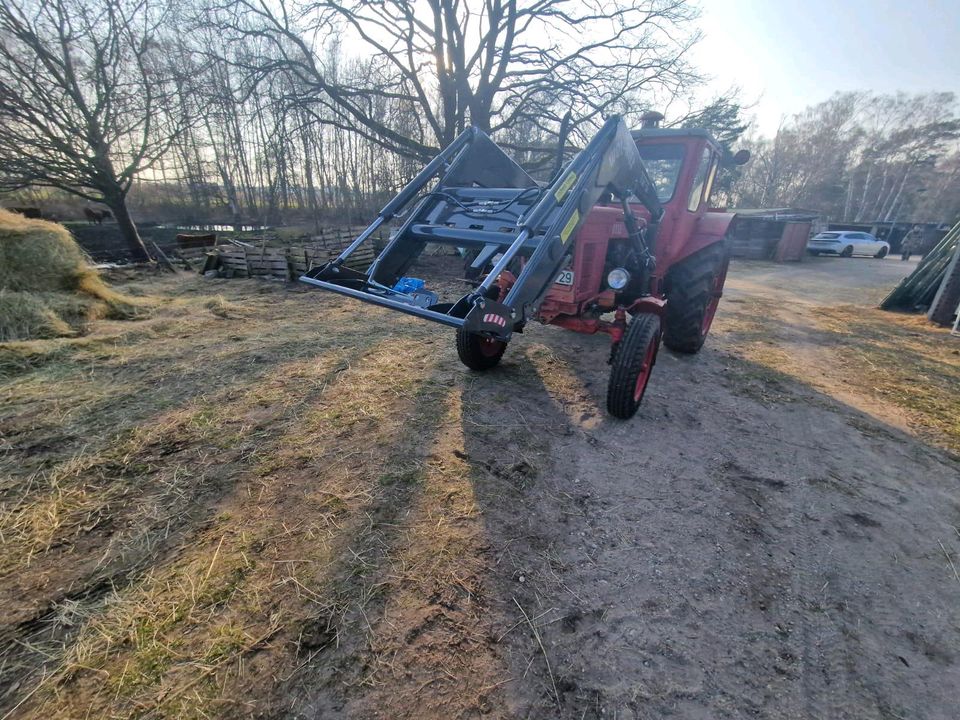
<point>96,216</point>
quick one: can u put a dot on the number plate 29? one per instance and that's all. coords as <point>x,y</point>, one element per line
<point>565,277</point>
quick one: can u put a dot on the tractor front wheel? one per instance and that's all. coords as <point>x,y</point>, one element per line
<point>632,363</point>
<point>478,352</point>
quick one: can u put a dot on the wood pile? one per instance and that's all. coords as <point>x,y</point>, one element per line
<point>934,284</point>
<point>288,262</point>
<point>194,250</point>
<point>946,303</point>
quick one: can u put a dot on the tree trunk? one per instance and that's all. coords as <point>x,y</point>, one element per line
<point>863,198</point>
<point>896,198</point>
<point>131,236</point>
<point>308,176</point>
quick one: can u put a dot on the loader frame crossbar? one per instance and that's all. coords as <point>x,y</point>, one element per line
<point>484,200</point>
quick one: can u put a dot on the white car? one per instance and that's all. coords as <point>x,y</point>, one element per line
<point>847,243</point>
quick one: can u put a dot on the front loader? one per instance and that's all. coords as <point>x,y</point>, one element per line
<point>620,242</point>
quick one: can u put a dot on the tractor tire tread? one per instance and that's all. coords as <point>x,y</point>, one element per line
<point>470,352</point>
<point>690,289</point>
<point>626,365</point>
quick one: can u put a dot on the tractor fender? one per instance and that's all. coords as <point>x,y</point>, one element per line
<point>711,228</point>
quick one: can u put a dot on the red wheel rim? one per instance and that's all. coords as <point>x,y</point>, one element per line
<point>490,347</point>
<point>711,308</point>
<point>643,377</point>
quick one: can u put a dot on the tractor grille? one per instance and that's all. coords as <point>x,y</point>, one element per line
<point>588,265</point>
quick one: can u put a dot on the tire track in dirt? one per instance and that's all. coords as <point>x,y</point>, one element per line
<point>814,637</point>
<point>858,473</point>
<point>798,611</point>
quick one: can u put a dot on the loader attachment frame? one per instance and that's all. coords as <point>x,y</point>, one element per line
<point>484,200</point>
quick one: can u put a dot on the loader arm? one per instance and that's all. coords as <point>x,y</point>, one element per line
<point>482,199</point>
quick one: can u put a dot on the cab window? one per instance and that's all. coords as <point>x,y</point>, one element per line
<point>663,162</point>
<point>699,180</point>
<point>710,178</point>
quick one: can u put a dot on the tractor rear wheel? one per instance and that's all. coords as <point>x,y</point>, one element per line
<point>478,352</point>
<point>632,363</point>
<point>693,293</point>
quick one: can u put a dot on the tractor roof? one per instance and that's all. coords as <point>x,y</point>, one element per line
<point>673,133</point>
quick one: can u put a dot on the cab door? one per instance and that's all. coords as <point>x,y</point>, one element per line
<point>702,186</point>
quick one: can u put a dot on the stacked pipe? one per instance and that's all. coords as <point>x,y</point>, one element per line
<point>918,289</point>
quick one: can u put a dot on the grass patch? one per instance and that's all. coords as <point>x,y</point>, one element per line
<point>898,359</point>
<point>21,357</point>
<point>901,359</point>
<point>214,419</point>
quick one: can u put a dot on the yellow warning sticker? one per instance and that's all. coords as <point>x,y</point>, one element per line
<point>568,228</point>
<point>565,186</point>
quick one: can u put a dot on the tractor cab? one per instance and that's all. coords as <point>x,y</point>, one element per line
<point>682,165</point>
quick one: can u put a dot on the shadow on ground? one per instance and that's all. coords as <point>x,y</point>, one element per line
<point>360,527</point>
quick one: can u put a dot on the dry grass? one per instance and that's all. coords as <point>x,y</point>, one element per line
<point>758,366</point>
<point>47,288</point>
<point>219,491</point>
<point>32,315</point>
<point>260,498</point>
<point>566,388</point>
<point>895,359</point>
<point>900,359</point>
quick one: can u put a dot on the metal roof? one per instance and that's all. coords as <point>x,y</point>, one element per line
<point>891,223</point>
<point>776,214</point>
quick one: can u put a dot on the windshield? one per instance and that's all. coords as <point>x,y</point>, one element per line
<point>663,163</point>
<point>828,235</point>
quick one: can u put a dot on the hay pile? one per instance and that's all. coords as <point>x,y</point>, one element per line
<point>47,289</point>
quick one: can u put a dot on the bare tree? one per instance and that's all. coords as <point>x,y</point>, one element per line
<point>492,63</point>
<point>84,96</point>
<point>860,157</point>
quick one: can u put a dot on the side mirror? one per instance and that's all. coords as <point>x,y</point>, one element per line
<point>741,157</point>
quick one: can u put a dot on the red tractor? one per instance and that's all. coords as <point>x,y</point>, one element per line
<point>621,241</point>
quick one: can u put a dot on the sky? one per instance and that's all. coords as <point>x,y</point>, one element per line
<point>785,56</point>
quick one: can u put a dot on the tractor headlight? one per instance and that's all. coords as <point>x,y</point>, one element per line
<point>618,278</point>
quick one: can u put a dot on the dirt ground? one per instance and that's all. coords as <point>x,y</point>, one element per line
<point>275,503</point>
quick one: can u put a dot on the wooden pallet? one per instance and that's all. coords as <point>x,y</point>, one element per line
<point>234,260</point>
<point>271,262</point>
<point>187,241</point>
<point>195,250</point>
<point>288,263</point>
